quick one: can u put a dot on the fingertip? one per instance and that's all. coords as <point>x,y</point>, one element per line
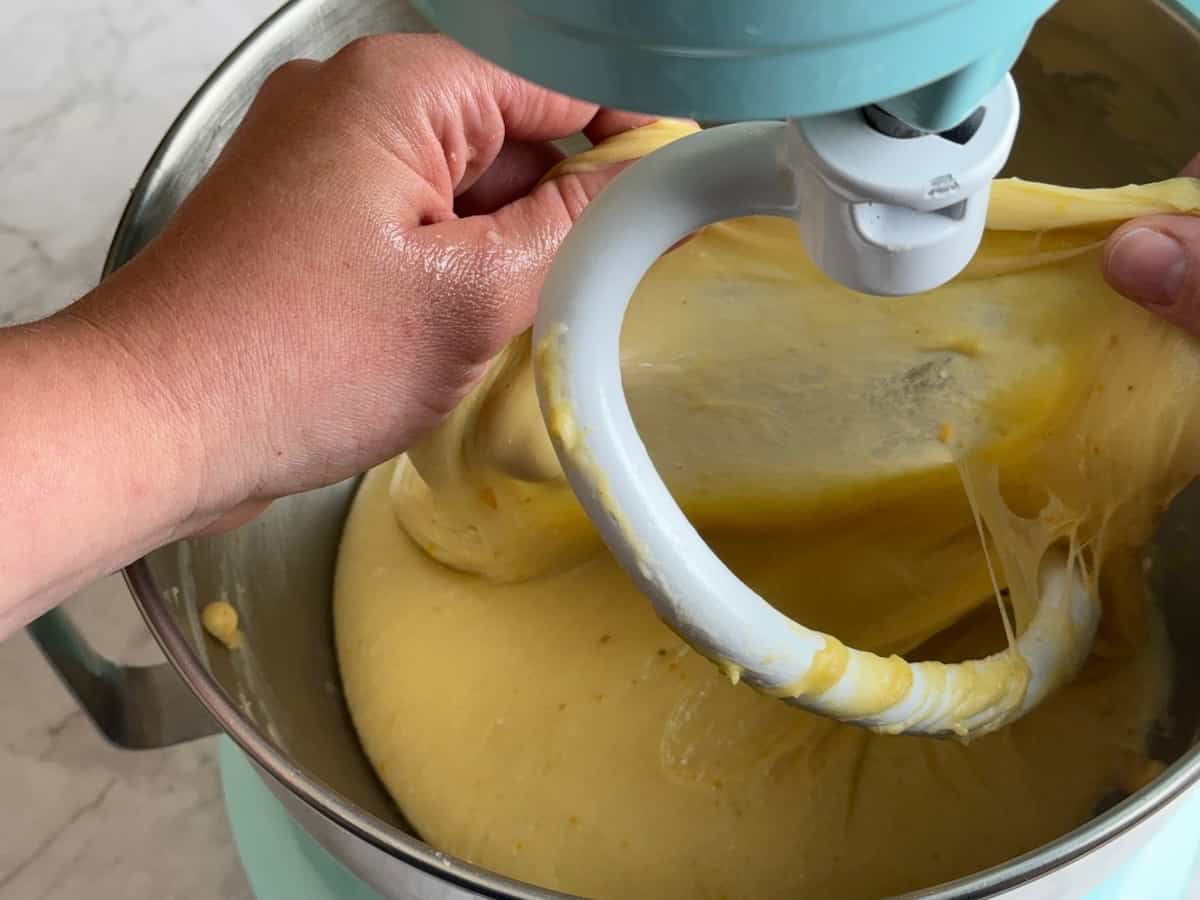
<point>1154,261</point>
<point>1146,264</point>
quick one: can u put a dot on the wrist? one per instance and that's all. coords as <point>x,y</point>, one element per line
<point>135,430</point>
<point>101,467</point>
<point>155,397</point>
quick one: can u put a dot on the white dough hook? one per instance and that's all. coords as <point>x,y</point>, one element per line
<point>883,215</point>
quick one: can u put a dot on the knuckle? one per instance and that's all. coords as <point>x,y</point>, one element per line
<point>361,55</point>
<point>392,57</point>
<point>285,78</point>
<point>573,194</point>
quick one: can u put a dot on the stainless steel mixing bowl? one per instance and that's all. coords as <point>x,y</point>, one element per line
<point>1108,93</point>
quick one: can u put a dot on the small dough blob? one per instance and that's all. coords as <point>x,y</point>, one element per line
<point>220,620</point>
<point>529,713</point>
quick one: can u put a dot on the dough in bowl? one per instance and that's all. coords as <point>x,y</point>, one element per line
<point>844,454</point>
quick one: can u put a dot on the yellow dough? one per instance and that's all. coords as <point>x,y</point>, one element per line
<point>220,619</point>
<point>527,711</point>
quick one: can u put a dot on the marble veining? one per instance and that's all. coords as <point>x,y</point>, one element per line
<point>87,88</point>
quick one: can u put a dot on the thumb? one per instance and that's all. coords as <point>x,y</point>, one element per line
<point>1155,261</point>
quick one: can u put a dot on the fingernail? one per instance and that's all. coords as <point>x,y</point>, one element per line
<point>1148,266</point>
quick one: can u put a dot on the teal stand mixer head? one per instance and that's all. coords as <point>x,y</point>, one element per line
<point>927,62</point>
<point>868,87</point>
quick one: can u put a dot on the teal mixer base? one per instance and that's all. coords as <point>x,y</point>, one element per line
<point>283,863</point>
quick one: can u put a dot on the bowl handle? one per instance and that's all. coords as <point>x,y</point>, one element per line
<point>134,707</point>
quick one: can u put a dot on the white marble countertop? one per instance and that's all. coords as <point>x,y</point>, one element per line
<point>87,88</point>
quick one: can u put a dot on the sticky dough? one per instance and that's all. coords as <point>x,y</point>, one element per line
<point>528,712</point>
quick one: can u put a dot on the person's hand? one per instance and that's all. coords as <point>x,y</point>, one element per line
<point>1155,261</point>
<point>371,237</point>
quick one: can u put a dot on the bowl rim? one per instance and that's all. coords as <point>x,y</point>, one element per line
<point>127,240</point>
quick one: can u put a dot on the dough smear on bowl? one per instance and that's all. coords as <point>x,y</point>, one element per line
<point>843,454</point>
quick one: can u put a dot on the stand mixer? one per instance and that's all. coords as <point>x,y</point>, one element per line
<point>896,120</point>
<point>1107,99</point>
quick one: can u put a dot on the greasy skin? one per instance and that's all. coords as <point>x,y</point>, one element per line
<point>528,712</point>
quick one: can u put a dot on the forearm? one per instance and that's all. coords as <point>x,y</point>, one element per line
<point>99,465</point>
